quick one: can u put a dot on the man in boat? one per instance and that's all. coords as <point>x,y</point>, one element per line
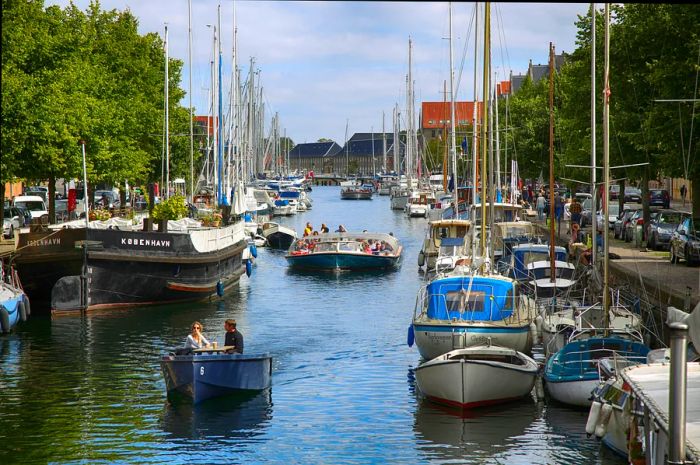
<point>233,337</point>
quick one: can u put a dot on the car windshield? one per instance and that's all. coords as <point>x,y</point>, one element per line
<point>8,213</point>
<point>32,205</point>
<point>586,204</point>
<point>673,218</point>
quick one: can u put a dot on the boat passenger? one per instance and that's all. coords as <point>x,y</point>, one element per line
<point>308,229</point>
<point>324,228</point>
<point>341,229</point>
<point>196,339</point>
<point>366,248</point>
<point>233,338</point>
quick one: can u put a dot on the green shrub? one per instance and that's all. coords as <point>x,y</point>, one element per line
<point>173,208</point>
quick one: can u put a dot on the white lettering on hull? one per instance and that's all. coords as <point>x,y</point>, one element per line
<point>146,243</point>
<point>44,242</point>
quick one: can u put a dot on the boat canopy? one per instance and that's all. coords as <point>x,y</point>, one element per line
<point>478,298</point>
<point>290,194</point>
<point>525,254</point>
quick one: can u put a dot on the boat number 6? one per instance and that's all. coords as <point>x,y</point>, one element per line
<point>201,371</point>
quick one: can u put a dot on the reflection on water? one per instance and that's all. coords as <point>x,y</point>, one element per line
<point>226,417</point>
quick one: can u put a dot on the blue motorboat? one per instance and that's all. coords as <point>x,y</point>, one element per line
<point>346,251</point>
<point>572,373</point>
<point>14,303</point>
<point>208,373</point>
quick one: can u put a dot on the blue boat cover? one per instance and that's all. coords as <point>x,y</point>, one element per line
<point>289,194</point>
<point>579,359</point>
<point>487,299</point>
<point>281,203</point>
<point>528,253</point>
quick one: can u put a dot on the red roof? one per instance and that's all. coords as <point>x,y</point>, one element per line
<point>437,114</point>
<point>502,88</point>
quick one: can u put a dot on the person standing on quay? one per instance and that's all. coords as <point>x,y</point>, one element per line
<point>540,207</point>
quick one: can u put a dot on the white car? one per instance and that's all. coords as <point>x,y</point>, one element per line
<point>33,203</point>
<point>613,213</point>
<point>12,221</point>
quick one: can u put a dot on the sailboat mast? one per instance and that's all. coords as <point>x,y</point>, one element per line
<point>222,196</point>
<point>167,122</point>
<point>606,168</point>
<point>499,182</point>
<point>445,160</point>
<point>474,124</point>
<point>453,150</point>
<point>189,92</point>
<point>347,156</point>
<point>552,256</point>
<point>484,124</point>
<point>594,190</point>
<point>383,145</point>
<point>409,120</point>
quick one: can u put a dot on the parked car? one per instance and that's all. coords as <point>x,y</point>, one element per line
<point>659,198</point>
<point>633,195</point>
<point>685,242</point>
<point>12,221</point>
<point>613,212</point>
<point>586,212</point>
<point>33,203</point>
<point>621,222</point>
<point>41,191</point>
<point>661,227</point>
<point>614,192</point>
<point>112,199</point>
<point>635,220</point>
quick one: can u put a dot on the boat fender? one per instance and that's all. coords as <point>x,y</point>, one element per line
<point>253,251</point>
<point>593,415</point>
<point>22,310</point>
<point>421,258</point>
<point>533,332</point>
<point>411,336</point>
<point>220,288</point>
<point>248,268</point>
<point>602,426</point>
<point>4,319</point>
<point>539,388</point>
<point>27,305</point>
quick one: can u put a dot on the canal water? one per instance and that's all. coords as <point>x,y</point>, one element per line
<point>89,389</point>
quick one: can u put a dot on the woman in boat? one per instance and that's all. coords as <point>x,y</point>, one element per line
<point>196,340</point>
<point>341,229</point>
<point>324,228</point>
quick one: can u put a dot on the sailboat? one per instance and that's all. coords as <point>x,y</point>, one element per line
<point>471,305</point>
<point>573,372</point>
<point>470,329</point>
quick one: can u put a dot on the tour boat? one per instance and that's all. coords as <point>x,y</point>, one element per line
<point>345,251</point>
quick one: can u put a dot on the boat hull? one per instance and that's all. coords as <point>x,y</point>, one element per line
<point>356,195</point>
<point>280,240</point>
<point>134,268</point>
<point>576,393</point>
<point>434,340</point>
<point>205,376</point>
<point>474,383</point>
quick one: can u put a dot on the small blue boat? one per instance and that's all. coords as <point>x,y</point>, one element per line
<point>572,373</point>
<point>209,373</point>
<point>345,251</point>
<point>524,254</point>
<point>14,303</point>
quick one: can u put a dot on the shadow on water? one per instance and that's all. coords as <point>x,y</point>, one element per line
<point>235,416</point>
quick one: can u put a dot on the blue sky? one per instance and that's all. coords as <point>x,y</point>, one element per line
<point>325,63</point>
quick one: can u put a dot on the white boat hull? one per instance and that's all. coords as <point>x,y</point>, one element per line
<point>577,393</point>
<point>435,340</point>
<point>469,383</point>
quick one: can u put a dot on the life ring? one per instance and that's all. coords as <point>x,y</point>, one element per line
<point>4,319</point>
<point>22,310</point>
<point>248,268</point>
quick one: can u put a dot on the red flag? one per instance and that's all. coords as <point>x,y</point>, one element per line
<point>72,199</point>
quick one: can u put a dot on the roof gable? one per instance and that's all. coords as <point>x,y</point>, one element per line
<point>314,149</point>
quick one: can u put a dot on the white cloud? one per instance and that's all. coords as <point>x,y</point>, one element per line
<point>324,62</point>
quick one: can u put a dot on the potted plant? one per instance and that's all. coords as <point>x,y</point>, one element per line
<point>173,208</point>
<point>216,219</point>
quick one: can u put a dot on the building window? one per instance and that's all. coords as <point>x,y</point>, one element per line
<point>431,121</point>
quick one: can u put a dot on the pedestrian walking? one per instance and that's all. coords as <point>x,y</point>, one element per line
<point>540,207</point>
<point>684,191</point>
